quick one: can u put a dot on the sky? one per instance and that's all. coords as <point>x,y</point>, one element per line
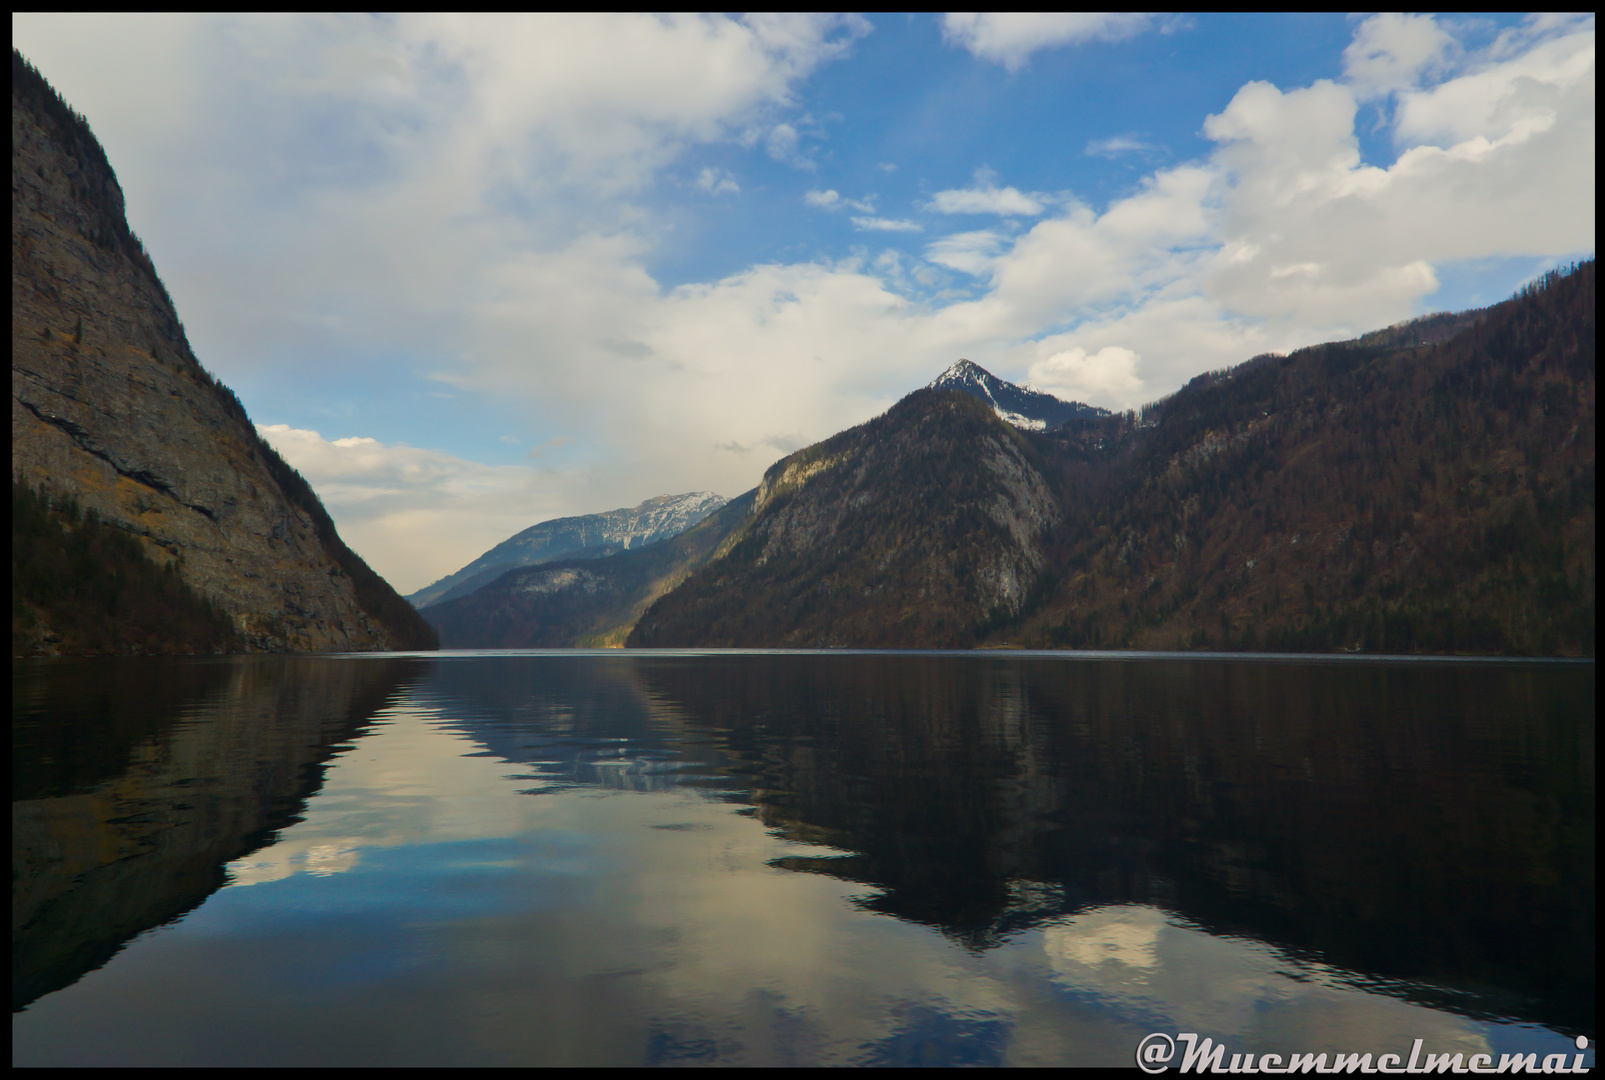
<point>469,273</point>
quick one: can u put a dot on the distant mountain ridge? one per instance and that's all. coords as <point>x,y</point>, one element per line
<point>587,536</point>
<point>583,603</point>
<point>1023,406</point>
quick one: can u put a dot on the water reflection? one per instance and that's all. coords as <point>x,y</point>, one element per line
<point>134,782</point>
<point>887,860</point>
<point>1429,825</point>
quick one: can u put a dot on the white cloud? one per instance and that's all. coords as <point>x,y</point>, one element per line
<point>970,253</point>
<point>411,511</point>
<point>832,200</point>
<point>1309,233</point>
<point>879,224</point>
<point>782,143</point>
<point>1110,374</point>
<point>1010,38</point>
<point>1006,202</point>
<point>986,198</point>
<point>1283,237</point>
<point>1118,145</point>
<point>1535,87</point>
<point>1391,51</point>
<point>717,182</point>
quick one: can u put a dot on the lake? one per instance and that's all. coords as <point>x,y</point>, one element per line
<point>632,858</point>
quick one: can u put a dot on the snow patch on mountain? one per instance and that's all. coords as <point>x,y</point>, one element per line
<point>1023,406</point>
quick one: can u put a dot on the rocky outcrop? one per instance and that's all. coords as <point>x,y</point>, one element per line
<point>110,406</point>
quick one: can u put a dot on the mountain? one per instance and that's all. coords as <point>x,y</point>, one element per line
<point>906,530</point>
<point>583,602</point>
<point>1023,406</point>
<point>1392,497</point>
<point>590,536</point>
<point>1428,488</point>
<point>114,422</point>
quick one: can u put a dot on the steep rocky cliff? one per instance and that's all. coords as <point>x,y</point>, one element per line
<point>110,406</point>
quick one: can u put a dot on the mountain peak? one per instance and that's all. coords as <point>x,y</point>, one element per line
<point>963,371</point>
<point>1023,406</point>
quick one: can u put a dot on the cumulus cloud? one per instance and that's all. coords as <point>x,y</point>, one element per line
<point>986,198</point>
<point>1523,94</point>
<point>1490,168</point>
<point>1391,51</point>
<point>1010,38</point>
<point>782,144</point>
<point>1110,374</point>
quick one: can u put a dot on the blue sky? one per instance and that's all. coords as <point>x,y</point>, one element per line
<point>469,273</point>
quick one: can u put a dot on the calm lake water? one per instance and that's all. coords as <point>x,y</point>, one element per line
<point>795,859</point>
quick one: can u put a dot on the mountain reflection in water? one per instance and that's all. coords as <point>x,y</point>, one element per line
<point>652,858</point>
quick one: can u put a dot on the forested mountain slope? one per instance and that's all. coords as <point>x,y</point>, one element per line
<point>1353,496</point>
<point>907,530</point>
<point>1428,488</point>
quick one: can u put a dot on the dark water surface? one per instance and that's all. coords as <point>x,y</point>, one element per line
<point>878,859</point>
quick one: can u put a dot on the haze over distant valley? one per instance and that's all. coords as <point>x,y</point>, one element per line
<point>471,273</point>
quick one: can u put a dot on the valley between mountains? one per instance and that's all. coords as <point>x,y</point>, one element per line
<point>1428,488</point>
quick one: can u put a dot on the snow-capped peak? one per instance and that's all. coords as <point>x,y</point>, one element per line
<point>1023,406</point>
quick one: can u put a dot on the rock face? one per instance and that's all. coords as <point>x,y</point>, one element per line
<point>110,405</point>
<point>1023,406</point>
<point>910,530</point>
<point>590,536</point>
